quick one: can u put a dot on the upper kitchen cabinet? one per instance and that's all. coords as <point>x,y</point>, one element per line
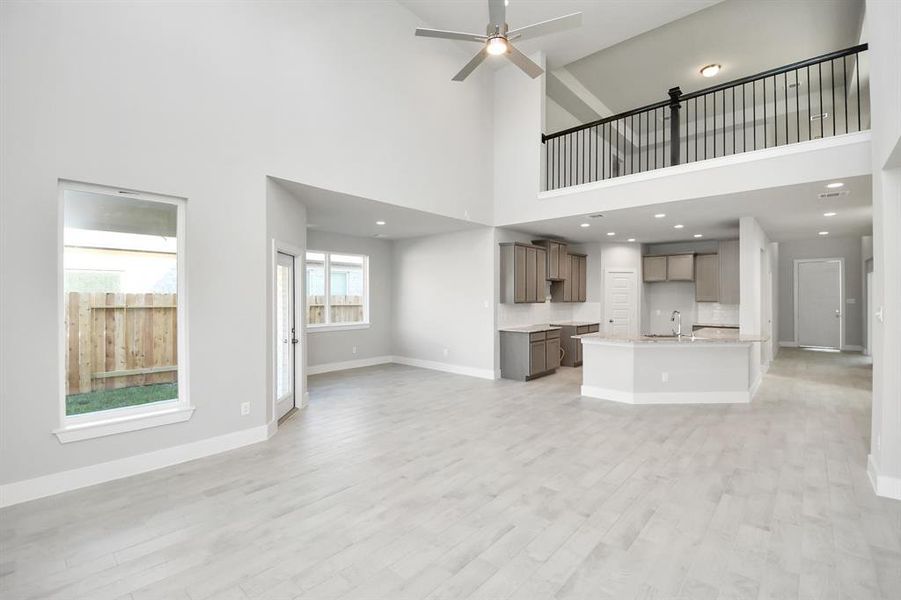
<point>523,273</point>
<point>707,278</point>
<point>654,268</point>
<point>680,267</point>
<point>556,257</point>
<point>728,272</point>
<point>573,285</point>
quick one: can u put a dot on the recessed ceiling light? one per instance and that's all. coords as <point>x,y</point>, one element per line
<point>829,214</point>
<point>835,185</point>
<point>678,226</point>
<point>824,233</point>
<point>585,225</point>
<point>659,215</point>
<point>631,240</point>
<point>379,222</point>
<point>710,70</point>
<point>611,233</point>
<point>699,235</point>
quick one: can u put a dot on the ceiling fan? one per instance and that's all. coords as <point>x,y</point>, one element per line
<point>498,38</point>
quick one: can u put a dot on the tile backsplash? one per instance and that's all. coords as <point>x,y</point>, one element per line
<point>515,315</point>
<point>716,313</point>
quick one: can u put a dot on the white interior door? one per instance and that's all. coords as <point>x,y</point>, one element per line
<point>818,308</point>
<point>621,303</point>
<point>286,332</point>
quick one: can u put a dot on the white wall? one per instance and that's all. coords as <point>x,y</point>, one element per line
<point>444,295</point>
<point>883,19</point>
<point>326,347</point>
<point>203,101</point>
<point>754,305</point>
<point>848,249</point>
<point>286,225</point>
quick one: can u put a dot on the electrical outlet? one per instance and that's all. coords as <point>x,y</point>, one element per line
<point>245,409</point>
<point>664,376</point>
<point>445,352</point>
<point>354,350</point>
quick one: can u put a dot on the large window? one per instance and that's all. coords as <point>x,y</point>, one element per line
<point>337,289</point>
<point>122,305</point>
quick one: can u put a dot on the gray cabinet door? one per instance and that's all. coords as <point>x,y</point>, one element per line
<point>568,279</point>
<point>541,278</point>
<point>531,274</point>
<point>519,274</point>
<point>728,267</point>
<point>583,278</point>
<point>552,354</point>
<point>537,357</point>
<point>680,267</point>
<point>654,268</point>
<point>707,278</point>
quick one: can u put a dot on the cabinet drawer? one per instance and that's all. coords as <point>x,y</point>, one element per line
<point>582,329</point>
<point>553,334</point>
<point>594,328</point>
<point>537,336</point>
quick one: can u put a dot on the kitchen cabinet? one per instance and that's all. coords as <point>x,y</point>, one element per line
<point>654,268</point>
<point>572,348</point>
<point>573,286</point>
<point>680,267</point>
<point>529,352</point>
<point>707,278</point>
<point>728,254</point>
<point>555,257</point>
<point>523,273</point>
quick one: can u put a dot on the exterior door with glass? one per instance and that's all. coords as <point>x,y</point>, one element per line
<point>286,332</point>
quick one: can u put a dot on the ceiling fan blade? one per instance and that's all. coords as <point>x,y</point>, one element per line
<point>450,35</point>
<point>523,62</point>
<point>471,65</point>
<point>497,14</point>
<point>545,27</point>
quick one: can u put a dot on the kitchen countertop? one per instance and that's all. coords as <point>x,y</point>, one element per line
<point>600,338</point>
<point>727,325</point>
<point>575,323</point>
<point>529,329</point>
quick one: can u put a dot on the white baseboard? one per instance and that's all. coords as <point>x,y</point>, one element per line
<point>65,481</point>
<point>590,391</point>
<point>348,364</point>
<point>446,367</point>
<point>788,344</point>
<point>884,485</point>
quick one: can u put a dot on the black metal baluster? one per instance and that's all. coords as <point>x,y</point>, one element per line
<point>857,64</point>
<point>797,108</point>
<point>754,109</point>
<point>785,85</point>
<point>845,89</point>
<point>705,126</point>
<point>724,122</point>
<point>832,85</point>
<point>820,74</point>
<point>765,141</point>
<point>809,112</point>
<point>696,128</point>
<point>744,126</point>
<point>733,120</point>
<point>655,138</point>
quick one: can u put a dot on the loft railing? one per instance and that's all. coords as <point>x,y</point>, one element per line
<point>810,99</point>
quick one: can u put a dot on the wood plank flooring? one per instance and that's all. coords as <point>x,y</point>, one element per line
<point>398,482</point>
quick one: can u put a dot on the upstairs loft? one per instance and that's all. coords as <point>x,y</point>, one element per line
<point>821,97</point>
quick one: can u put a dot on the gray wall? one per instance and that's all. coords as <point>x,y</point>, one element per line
<point>848,248</point>
<point>444,299</point>
<point>337,346</point>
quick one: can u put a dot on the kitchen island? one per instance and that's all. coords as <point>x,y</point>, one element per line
<point>667,369</point>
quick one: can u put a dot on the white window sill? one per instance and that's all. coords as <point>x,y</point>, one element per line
<point>122,424</point>
<point>336,327</point>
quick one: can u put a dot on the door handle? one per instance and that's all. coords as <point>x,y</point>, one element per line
<point>611,320</point>
<point>294,340</point>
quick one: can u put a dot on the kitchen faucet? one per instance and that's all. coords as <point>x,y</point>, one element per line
<point>677,330</point>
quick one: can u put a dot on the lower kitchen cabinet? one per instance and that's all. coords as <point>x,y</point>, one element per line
<point>572,348</point>
<point>529,352</point>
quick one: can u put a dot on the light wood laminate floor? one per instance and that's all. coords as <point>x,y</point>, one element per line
<point>398,482</point>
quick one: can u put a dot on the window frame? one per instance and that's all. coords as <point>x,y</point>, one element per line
<point>113,421</point>
<point>327,286</point>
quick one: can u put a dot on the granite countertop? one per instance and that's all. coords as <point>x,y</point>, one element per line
<point>727,325</point>
<point>529,329</point>
<point>596,338</point>
<point>575,323</point>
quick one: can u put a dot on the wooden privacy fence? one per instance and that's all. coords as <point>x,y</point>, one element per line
<point>120,340</point>
<point>345,309</point>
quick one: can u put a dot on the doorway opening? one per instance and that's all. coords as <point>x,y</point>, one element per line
<point>287,388</point>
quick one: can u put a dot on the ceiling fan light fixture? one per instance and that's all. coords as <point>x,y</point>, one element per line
<point>497,45</point>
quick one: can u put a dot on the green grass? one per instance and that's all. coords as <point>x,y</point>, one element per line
<point>77,404</point>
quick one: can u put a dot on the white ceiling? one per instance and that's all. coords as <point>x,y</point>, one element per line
<point>786,213</point>
<point>352,215</point>
<point>604,22</point>
<point>744,36</point>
